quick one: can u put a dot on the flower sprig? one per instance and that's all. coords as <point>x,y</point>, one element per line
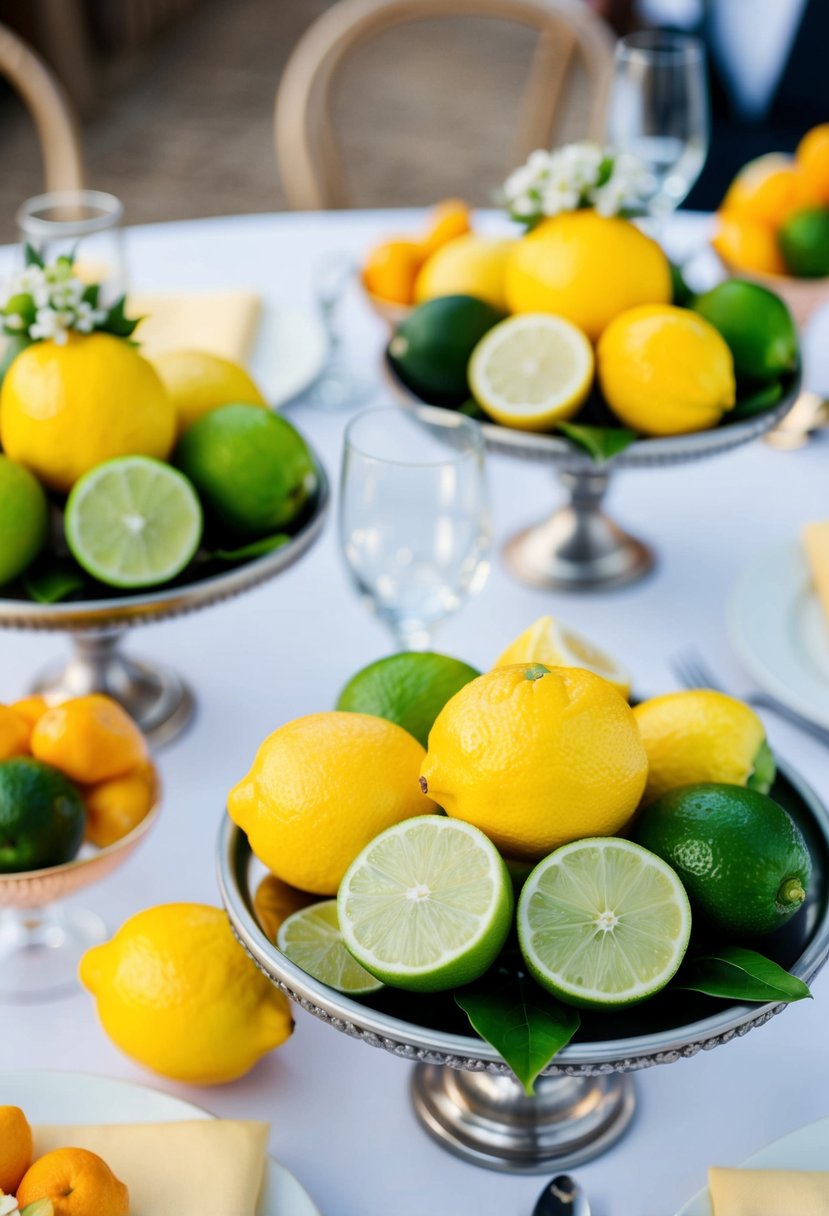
<point>48,300</point>
<point>572,178</point>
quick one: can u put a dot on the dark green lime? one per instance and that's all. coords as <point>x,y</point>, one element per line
<point>410,689</point>
<point>431,348</point>
<point>804,243</point>
<point>42,816</point>
<point>741,857</point>
<point>757,326</point>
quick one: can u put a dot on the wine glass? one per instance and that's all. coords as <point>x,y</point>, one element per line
<point>85,225</point>
<point>338,385</point>
<point>414,517</point>
<point>658,113</point>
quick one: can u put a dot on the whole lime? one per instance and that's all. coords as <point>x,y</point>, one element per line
<point>757,326</point>
<point>410,689</point>
<point>24,518</point>
<point>253,471</point>
<point>431,348</point>
<point>741,857</point>
<point>42,816</point>
<point>804,243</point>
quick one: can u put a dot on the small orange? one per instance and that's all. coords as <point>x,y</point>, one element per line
<point>90,739</point>
<point>30,708</point>
<point>14,733</point>
<point>275,901</point>
<point>15,1147</point>
<point>748,244</point>
<point>79,1183</point>
<point>812,158</point>
<point>770,189</point>
<point>391,268</point>
<point>448,219</point>
<point>115,807</point>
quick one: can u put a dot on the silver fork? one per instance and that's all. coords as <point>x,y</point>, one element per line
<point>691,670</point>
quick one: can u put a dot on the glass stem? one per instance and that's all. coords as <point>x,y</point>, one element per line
<point>411,635</point>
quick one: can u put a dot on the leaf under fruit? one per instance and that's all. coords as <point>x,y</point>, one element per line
<point>737,974</point>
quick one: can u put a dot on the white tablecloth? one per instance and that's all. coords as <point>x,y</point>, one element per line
<point>340,1114</point>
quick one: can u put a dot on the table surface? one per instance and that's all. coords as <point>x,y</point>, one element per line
<point>340,1114</point>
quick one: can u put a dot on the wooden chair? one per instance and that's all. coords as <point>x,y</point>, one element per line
<point>307,152</point>
<point>50,109</point>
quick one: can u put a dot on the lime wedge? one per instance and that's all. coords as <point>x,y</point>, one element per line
<point>311,938</point>
<point>133,522</point>
<point>427,905</point>
<point>603,923</point>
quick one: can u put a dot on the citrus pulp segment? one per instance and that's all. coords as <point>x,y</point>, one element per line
<point>427,905</point>
<point>603,923</point>
<point>311,938</point>
<point>548,641</point>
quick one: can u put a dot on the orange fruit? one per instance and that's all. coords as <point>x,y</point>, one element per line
<point>275,901</point>
<point>90,739</point>
<point>15,1147</point>
<point>748,244</point>
<point>79,1183</point>
<point>30,708</point>
<point>448,219</point>
<point>115,807</point>
<point>812,158</point>
<point>391,268</point>
<point>770,189</point>
<point>14,733</point>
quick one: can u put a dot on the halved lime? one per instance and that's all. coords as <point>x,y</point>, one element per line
<point>603,923</point>
<point>133,522</point>
<point>427,905</point>
<point>311,938</point>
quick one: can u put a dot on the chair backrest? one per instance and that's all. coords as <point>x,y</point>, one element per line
<point>50,109</point>
<point>307,151</point>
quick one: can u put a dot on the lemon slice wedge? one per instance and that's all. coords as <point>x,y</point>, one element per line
<point>548,641</point>
<point>532,371</point>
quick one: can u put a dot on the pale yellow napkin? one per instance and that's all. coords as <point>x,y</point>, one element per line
<point>768,1192</point>
<point>176,1169</point>
<point>816,544</point>
<point>221,322</point>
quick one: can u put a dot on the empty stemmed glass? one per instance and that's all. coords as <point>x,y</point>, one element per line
<point>85,225</point>
<point>414,517</point>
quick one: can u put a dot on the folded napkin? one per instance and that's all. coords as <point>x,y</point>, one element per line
<point>221,322</point>
<point>816,544</point>
<point>176,1169</point>
<point>768,1192</point>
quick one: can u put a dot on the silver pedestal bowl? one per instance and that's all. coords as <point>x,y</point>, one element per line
<point>464,1094</point>
<point>158,699</point>
<point>579,547</point>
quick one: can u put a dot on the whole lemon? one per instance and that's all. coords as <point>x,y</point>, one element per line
<point>666,371</point>
<point>323,786</point>
<point>65,409</point>
<point>587,268</point>
<point>177,993</point>
<point>469,265</point>
<point>199,382</point>
<point>537,756</point>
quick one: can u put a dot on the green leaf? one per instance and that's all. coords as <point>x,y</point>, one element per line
<point>738,974</point>
<point>31,256</point>
<point>516,1017</point>
<point>256,548</point>
<point>601,442</point>
<point>50,582</point>
<point>91,294</point>
<point>757,402</point>
<point>471,409</point>
<point>764,771</point>
<point>116,323</point>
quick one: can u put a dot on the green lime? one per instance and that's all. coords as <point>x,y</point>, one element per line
<point>427,905</point>
<point>741,857</point>
<point>133,522</point>
<point>757,326</point>
<point>311,938</point>
<point>24,519</point>
<point>252,469</point>
<point>410,689</point>
<point>804,243</point>
<point>431,348</point>
<point>42,816</point>
<point>603,923</point>
<point>766,397</point>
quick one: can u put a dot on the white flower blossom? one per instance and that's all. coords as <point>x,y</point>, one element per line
<point>8,1204</point>
<point>56,297</point>
<point>16,324</point>
<point>577,175</point>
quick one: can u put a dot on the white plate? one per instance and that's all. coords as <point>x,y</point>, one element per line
<point>66,1097</point>
<point>778,632</point>
<point>805,1149</point>
<point>289,353</point>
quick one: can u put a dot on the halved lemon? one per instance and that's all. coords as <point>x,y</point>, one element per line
<point>532,371</point>
<point>549,642</point>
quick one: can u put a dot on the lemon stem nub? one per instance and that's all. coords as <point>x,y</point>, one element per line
<point>791,892</point>
<point>536,670</point>
<point>423,785</point>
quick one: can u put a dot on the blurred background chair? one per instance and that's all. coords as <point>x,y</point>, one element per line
<point>311,164</point>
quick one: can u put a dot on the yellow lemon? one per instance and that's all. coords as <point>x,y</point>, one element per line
<point>177,993</point>
<point>812,158</point>
<point>469,265</point>
<point>15,1148</point>
<point>323,786</point>
<point>65,409</point>
<point>549,642</point>
<point>275,901</point>
<point>745,243</point>
<point>666,371</point>
<point>701,735</point>
<point>199,382</point>
<point>537,756</point>
<point>587,268</point>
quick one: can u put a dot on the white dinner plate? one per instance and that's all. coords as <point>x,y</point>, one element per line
<point>778,632</point>
<point>805,1149</point>
<point>289,353</point>
<point>67,1097</point>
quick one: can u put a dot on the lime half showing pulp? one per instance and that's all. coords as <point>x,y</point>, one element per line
<point>311,938</point>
